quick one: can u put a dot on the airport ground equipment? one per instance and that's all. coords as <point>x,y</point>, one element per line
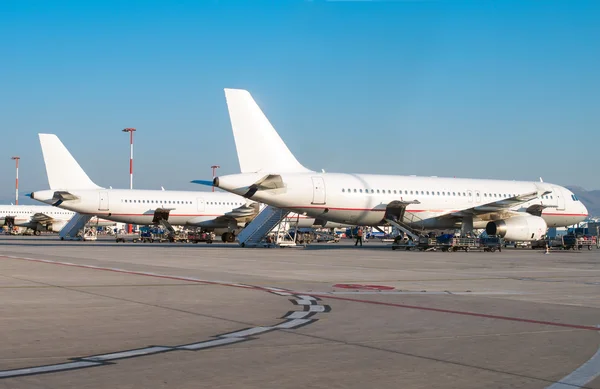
<point>197,236</point>
<point>491,243</point>
<point>75,227</point>
<point>403,243</point>
<point>461,243</point>
<point>574,242</point>
<point>396,216</point>
<point>258,229</point>
<point>125,237</point>
<point>152,235</point>
<point>328,237</point>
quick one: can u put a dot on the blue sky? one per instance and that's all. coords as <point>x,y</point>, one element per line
<point>490,89</point>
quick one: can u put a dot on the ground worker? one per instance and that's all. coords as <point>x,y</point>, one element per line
<point>359,236</point>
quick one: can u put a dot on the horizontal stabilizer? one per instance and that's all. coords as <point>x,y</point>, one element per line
<point>203,182</point>
<point>61,196</point>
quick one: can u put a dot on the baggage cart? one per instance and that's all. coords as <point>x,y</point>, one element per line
<point>196,237</point>
<point>124,237</point>
<point>401,242</point>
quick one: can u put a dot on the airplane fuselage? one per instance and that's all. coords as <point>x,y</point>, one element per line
<point>361,199</point>
<point>23,216</point>
<point>194,209</point>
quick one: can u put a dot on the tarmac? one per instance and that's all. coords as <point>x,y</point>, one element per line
<point>149,315</point>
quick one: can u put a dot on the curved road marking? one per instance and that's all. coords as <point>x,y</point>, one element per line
<point>293,320</point>
<point>587,372</point>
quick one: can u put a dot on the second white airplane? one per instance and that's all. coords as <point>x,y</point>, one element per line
<point>72,189</point>
<point>516,210</point>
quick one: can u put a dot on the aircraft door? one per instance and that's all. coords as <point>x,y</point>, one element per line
<point>201,204</point>
<point>470,194</point>
<point>103,197</point>
<point>560,197</point>
<point>477,196</point>
<point>318,190</point>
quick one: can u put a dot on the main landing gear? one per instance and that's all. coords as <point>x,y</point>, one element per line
<point>228,237</point>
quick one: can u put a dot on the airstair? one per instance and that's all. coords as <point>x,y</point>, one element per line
<point>161,217</point>
<point>254,233</point>
<point>406,222</point>
<point>75,227</point>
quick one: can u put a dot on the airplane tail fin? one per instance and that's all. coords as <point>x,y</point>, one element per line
<point>259,147</point>
<point>64,173</point>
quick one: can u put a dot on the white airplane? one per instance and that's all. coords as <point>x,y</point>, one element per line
<point>271,174</point>
<point>71,188</point>
<point>39,218</point>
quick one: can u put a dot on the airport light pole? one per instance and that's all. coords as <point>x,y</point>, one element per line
<point>214,169</point>
<point>17,180</point>
<point>130,131</point>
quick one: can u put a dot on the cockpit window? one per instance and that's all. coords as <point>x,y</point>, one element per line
<point>574,197</point>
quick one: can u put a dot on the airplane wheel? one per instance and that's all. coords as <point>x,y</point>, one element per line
<point>36,233</point>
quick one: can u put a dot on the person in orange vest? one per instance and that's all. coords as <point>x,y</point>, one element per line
<point>359,236</point>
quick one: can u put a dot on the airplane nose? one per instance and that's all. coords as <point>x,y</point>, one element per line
<point>584,210</point>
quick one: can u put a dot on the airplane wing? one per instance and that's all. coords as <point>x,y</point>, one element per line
<point>242,214</point>
<point>504,205</point>
<point>41,218</point>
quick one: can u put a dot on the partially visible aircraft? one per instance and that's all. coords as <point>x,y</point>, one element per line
<point>271,174</point>
<point>39,218</point>
<point>72,189</point>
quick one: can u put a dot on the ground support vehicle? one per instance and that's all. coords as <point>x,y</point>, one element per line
<point>579,243</point>
<point>465,244</point>
<point>427,244</point>
<point>196,237</point>
<point>403,243</point>
<point>178,236</point>
<point>124,237</point>
<point>491,243</point>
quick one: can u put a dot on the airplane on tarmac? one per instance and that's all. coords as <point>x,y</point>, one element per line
<point>72,189</point>
<point>40,218</point>
<point>270,174</point>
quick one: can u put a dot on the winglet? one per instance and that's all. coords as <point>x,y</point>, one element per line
<point>64,173</point>
<point>259,147</point>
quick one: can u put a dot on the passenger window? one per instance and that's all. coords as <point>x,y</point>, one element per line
<point>394,191</point>
<point>343,190</point>
<point>359,190</point>
<point>427,193</point>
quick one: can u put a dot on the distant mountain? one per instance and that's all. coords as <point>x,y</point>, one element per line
<point>589,198</point>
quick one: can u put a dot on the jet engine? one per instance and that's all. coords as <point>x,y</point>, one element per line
<point>56,226</point>
<point>519,228</point>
